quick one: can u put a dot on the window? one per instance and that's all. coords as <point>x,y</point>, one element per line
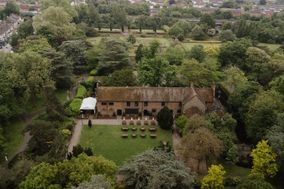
<point>127,103</point>
<point>136,103</point>
<point>145,103</point>
<point>163,103</point>
<point>154,110</point>
<point>180,104</point>
<point>111,103</point>
<point>104,103</point>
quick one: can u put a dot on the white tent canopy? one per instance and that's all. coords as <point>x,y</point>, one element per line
<point>89,104</point>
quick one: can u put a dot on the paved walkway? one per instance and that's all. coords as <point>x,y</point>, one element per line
<point>75,139</point>
<point>176,145</point>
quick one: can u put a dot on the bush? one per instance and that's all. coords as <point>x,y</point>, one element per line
<point>165,118</point>
<point>81,92</point>
<point>75,105</point>
<point>232,181</point>
<point>181,122</point>
<point>93,72</point>
<point>131,39</point>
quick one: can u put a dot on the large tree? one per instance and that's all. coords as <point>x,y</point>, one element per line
<point>165,118</point>
<point>55,24</point>
<point>200,147</point>
<point>156,169</point>
<point>76,50</point>
<point>156,72</point>
<point>262,113</point>
<point>124,77</point>
<point>201,74</point>
<point>214,179</point>
<point>264,160</point>
<point>275,137</point>
<point>113,56</point>
<point>234,53</point>
<point>68,173</point>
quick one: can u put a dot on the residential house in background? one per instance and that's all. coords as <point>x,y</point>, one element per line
<point>8,27</point>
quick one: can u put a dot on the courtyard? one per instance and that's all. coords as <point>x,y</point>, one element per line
<point>108,140</point>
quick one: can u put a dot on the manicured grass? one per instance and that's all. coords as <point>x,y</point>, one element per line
<point>14,135</point>
<point>106,140</point>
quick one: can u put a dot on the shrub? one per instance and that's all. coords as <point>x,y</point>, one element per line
<point>75,105</point>
<point>81,92</point>
<point>93,72</point>
<point>165,118</point>
<point>181,122</point>
<point>232,181</point>
<point>131,39</point>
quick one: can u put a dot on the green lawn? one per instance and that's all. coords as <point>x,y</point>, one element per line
<point>106,140</point>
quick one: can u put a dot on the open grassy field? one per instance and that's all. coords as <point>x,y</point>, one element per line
<point>167,42</point>
<point>106,140</point>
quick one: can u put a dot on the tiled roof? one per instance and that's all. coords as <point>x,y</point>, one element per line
<point>152,94</point>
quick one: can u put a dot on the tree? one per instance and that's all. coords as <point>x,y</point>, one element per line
<point>224,128</point>
<point>156,169</point>
<point>254,182</point>
<point>11,8</point>
<point>68,173</point>
<point>165,118</point>
<point>64,4</point>
<point>139,53</point>
<point>198,34</point>
<point>256,58</point>
<point>175,55</point>
<point>118,15</point>
<point>181,122</point>
<point>201,74</point>
<point>120,78</point>
<point>26,29</point>
<point>76,50</point>
<point>262,114</point>
<point>227,35</point>
<point>55,24</point>
<point>278,84</point>
<point>197,53</point>
<point>176,32</point>
<point>62,72</point>
<point>30,73</point>
<point>96,182</point>
<point>113,56</point>
<point>264,160</point>
<point>34,44</point>
<point>208,20</point>
<point>275,137</point>
<point>234,53</point>
<point>214,179</point>
<point>156,72</point>
<point>131,39</point>
<point>199,148</point>
<point>234,78</point>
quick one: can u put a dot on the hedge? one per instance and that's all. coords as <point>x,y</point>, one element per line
<point>81,92</point>
<point>75,105</point>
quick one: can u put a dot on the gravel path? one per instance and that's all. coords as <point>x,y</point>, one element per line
<point>75,139</point>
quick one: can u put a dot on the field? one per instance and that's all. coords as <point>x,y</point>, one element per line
<point>106,140</point>
<point>166,42</point>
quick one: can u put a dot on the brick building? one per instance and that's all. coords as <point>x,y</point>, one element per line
<point>148,101</point>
